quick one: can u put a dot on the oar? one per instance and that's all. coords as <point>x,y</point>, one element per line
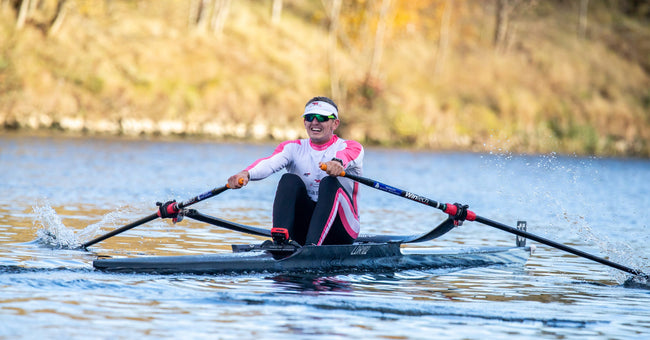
<point>471,216</point>
<point>191,213</point>
<point>179,206</point>
<point>441,229</point>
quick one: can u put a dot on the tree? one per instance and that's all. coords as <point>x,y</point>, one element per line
<point>276,12</point>
<point>28,8</point>
<point>443,42</point>
<point>23,13</point>
<point>504,28</point>
<point>503,10</point>
<point>209,13</point>
<point>582,21</point>
<point>334,15</point>
<point>378,46</point>
<point>219,15</point>
<point>59,15</point>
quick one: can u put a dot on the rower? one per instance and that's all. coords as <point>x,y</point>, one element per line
<point>314,206</point>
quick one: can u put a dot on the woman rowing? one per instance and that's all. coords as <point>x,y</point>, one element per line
<point>315,206</point>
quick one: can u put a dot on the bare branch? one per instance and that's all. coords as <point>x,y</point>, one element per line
<point>23,13</point>
<point>57,21</point>
<point>276,13</point>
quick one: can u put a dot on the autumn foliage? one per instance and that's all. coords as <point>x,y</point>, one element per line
<point>513,75</point>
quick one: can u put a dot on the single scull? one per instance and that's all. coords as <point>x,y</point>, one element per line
<point>376,253</point>
<point>362,257</point>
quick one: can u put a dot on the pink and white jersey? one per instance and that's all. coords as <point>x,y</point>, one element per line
<point>302,158</point>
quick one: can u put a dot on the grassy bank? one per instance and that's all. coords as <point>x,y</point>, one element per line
<point>142,68</point>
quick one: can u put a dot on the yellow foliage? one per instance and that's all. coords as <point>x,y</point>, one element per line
<point>438,80</point>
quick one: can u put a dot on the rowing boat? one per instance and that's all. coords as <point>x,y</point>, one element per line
<point>369,253</point>
<point>360,257</point>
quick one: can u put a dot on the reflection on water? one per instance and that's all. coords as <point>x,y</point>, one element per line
<point>58,193</point>
<point>311,284</point>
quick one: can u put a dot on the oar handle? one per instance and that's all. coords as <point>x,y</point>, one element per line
<point>241,182</point>
<point>323,167</point>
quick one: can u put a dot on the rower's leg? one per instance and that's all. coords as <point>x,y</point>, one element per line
<point>334,220</point>
<point>292,207</point>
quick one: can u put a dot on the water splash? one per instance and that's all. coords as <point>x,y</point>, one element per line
<point>637,281</point>
<point>111,220</point>
<point>52,232</point>
<point>564,187</point>
<point>617,251</point>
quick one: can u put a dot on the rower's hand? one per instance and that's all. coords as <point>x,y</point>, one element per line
<point>333,168</point>
<point>238,180</point>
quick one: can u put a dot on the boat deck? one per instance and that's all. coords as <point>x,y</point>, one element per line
<point>364,257</point>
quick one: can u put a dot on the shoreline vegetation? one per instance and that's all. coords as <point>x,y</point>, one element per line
<point>523,76</point>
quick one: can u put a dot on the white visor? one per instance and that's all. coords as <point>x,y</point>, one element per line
<point>321,108</point>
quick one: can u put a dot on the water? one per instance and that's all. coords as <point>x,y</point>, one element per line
<point>59,192</point>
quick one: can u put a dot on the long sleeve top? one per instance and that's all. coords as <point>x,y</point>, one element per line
<point>301,157</point>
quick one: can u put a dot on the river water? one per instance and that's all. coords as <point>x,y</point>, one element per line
<point>78,189</point>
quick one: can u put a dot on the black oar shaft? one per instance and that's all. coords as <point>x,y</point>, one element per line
<point>121,230</point>
<point>203,196</point>
<point>557,245</point>
<point>191,213</point>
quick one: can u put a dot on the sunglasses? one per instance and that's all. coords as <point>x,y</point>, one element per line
<point>320,118</point>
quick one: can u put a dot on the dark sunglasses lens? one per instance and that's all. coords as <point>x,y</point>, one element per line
<point>310,118</point>
<point>319,118</point>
